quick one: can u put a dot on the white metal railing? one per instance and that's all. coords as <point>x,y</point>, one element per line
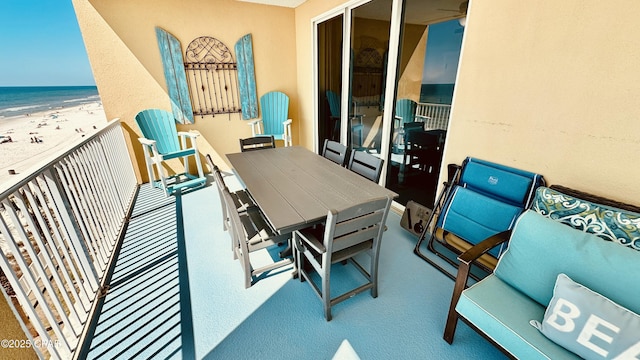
<point>435,116</point>
<point>59,227</point>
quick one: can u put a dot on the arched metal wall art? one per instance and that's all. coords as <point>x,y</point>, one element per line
<point>212,75</point>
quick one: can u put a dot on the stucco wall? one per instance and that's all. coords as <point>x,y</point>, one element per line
<point>552,87</point>
<point>121,44</point>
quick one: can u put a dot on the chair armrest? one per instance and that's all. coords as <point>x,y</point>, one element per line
<point>485,245</point>
<point>255,127</point>
<point>189,134</point>
<point>422,118</point>
<point>463,276</point>
<point>313,238</point>
<point>145,141</point>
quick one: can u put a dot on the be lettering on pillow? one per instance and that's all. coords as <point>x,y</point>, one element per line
<point>589,324</point>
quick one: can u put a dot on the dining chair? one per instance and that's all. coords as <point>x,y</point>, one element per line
<point>161,142</point>
<point>242,200</point>
<point>422,153</point>
<point>250,231</point>
<point>366,165</point>
<point>334,151</point>
<point>346,233</point>
<point>275,111</point>
<point>257,143</point>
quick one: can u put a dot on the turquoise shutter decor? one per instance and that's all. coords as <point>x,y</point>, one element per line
<point>246,78</point>
<point>174,74</point>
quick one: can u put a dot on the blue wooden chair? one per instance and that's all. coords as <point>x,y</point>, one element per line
<point>334,109</point>
<point>160,143</point>
<point>405,113</point>
<point>275,111</point>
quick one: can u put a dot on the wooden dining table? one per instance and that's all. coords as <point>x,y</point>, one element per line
<point>295,187</point>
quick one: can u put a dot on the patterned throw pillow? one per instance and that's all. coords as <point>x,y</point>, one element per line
<point>609,223</point>
<point>589,324</point>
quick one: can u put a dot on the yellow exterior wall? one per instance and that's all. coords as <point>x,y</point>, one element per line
<point>121,43</point>
<point>545,86</point>
<point>552,87</point>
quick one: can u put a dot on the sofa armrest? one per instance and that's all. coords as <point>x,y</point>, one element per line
<point>482,247</point>
<point>466,258</point>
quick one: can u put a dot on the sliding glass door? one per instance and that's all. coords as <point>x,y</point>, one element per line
<point>385,77</point>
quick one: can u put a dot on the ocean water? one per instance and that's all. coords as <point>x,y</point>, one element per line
<point>15,101</point>
<point>436,93</point>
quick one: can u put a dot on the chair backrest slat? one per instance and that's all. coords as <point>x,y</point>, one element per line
<point>257,143</point>
<point>356,224</point>
<point>334,151</point>
<point>159,125</point>
<point>366,165</point>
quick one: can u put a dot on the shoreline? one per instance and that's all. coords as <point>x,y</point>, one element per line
<point>33,136</point>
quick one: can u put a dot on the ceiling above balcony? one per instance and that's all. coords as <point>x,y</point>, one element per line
<point>285,3</point>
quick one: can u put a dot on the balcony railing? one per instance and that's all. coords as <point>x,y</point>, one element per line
<point>435,116</point>
<point>59,229</point>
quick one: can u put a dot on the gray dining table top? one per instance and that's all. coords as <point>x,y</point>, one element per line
<point>295,188</point>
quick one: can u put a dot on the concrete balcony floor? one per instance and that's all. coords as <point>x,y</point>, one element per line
<point>176,292</point>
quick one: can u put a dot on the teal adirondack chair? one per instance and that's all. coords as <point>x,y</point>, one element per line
<point>334,109</point>
<point>275,111</point>
<point>160,143</point>
<point>405,113</point>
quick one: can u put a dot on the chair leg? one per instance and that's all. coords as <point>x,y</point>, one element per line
<point>452,317</point>
<point>326,286</point>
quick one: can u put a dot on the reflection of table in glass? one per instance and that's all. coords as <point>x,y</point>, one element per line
<point>295,187</point>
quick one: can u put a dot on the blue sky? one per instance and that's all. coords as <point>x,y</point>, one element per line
<point>41,44</point>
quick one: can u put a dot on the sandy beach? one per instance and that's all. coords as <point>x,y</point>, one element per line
<point>35,135</point>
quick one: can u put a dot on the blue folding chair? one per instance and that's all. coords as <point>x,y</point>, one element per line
<point>356,129</point>
<point>275,117</point>
<point>479,200</point>
<point>160,143</point>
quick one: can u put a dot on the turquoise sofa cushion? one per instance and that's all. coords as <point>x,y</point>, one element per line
<point>609,223</point>
<point>589,324</point>
<point>503,313</point>
<point>541,248</point>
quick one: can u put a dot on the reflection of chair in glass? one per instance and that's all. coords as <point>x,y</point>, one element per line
<point>422,153</point>
<point>257,143</point>
<point>163,142</point>
<point>356,129</point>
<point>346,234</point>
<point>405,114</point>
<point>275,111</point>
<point>250,232</point>
<point>334,151</point>
<point>366,165</point>
<point>481,199</point>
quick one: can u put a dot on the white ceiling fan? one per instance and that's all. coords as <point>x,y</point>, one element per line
<point>462,10</point>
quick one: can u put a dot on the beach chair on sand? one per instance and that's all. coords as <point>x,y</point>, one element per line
<point>163,142</point>
<point>479,200</point>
